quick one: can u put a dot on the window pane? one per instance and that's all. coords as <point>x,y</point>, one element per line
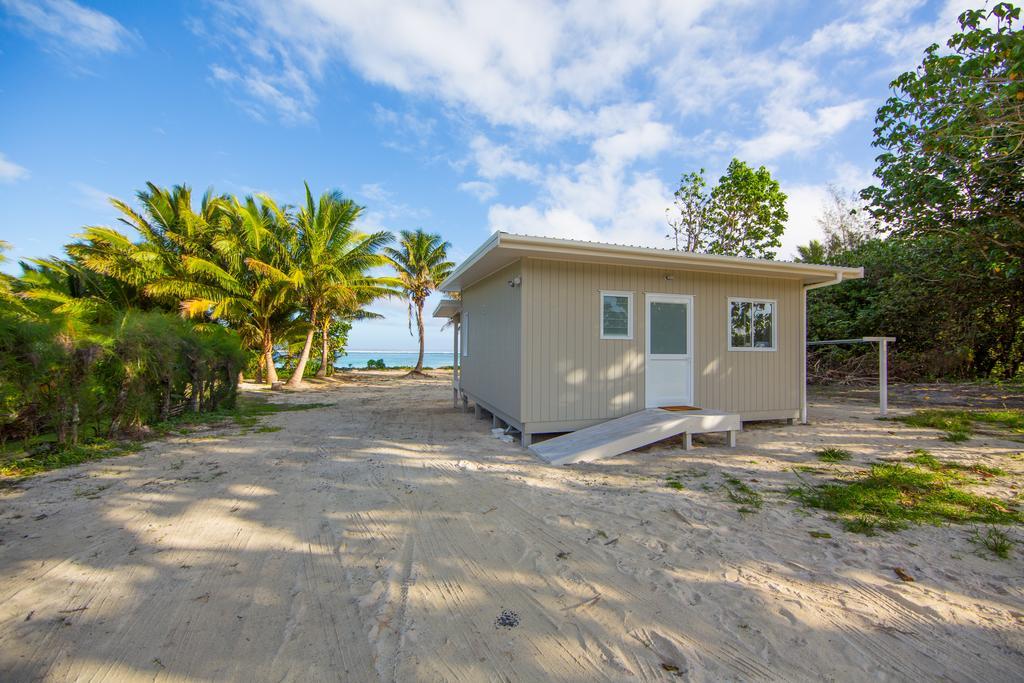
<point>739,314</point>
<point>668,328</point>
<point>616,316</point>
<point>764,315</point>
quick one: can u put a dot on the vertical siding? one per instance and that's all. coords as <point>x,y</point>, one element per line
<point>491,372</point>
<point>572,374</point>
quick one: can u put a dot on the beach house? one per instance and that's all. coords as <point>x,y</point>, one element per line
<point>556,335</point>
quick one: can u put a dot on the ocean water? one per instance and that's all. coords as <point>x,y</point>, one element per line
<point>393,359</point>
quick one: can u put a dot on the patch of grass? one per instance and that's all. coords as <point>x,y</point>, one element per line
<point>247,412</point>
<point>740,493</point>
<point>956,436</point>
<point>48,456</point>
<point>73,455</point>
<point>267,429</point>
<point>958,425</point>
<point>926,459</point>
<point>820,534</point>
<point>675,484</point>
<point>833,454</point>
<point>891,496</point>
<point>995,541</point>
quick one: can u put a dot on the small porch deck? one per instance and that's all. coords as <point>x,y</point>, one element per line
<point>633,431</point>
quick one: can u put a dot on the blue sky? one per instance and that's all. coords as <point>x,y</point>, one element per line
<point>572,119</point>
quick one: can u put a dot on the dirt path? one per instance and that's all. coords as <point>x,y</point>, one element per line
<point>389,538</point>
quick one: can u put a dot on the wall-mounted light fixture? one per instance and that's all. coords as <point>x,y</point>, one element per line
<point>670,278</point>
<point>515,282</point>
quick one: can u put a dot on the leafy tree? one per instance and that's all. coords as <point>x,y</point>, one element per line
<point>688,217</point>
<point>952,136</point>
<point>846,221</point>
<point>846,224</point>
<point>421,263</point>
<point>812,252</point>
<point>743,215</point>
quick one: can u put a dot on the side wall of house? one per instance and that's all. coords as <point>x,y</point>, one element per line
<point>492,313</point>
<point>572,376</point>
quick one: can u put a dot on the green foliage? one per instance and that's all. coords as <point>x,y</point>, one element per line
<point>948,282</point>
<point>52,459</point>
<point>892,495</point>
<point>329,268</point>
<point>951,317</point>
<point>94,344</point>
<point>743,215</point>
<point>740,493</point>
<point>377,364</point>
<point>959,424</point>
<point>925,458</point>
<point>833,455</point>
<point>995,541</point>
<point>952,136</point>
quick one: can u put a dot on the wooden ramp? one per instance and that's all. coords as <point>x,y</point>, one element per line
<point>633,431</point>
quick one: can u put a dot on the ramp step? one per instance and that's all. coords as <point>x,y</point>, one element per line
<point>632,431</point>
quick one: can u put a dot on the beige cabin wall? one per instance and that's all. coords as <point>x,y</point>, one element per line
<point>571,375</point>
<point>491,371</point>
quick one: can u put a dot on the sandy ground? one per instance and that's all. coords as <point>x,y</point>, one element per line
<point>389,538</point>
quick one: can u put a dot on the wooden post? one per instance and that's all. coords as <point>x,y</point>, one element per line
<point>803,355</point>
<point>455,363</point>
<point>883,372</point>
<point>883,376</point>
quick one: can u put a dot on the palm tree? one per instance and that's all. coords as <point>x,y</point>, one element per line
<point>244,277</point>
<point>421,262</point>
<point>812,252</point>
<point>344,304</point>
<point>331,260</point>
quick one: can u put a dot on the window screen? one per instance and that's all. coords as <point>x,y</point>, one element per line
<point>668,328</point>
<point>751,324</point>
<point>616,316</point>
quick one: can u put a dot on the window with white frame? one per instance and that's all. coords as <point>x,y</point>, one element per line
<point>464,329</point>
<point>751,325</point>
<point>616,315</point>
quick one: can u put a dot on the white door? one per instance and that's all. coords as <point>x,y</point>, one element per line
<point>669,366</point>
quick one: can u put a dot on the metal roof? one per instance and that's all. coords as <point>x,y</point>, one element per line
<point>504,248</point>
<point>447,308</point>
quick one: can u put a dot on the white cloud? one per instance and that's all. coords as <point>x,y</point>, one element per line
<point>64,24</point>
<point>790,129</point>
<point>92,197</point>
<point>543,66</point>
<point>11,172</point>
<point>582,100</point>
<point>499,161</point>
<point>804,204</point>
<point>479,189</point>
<point>374,192</point>
<point>286,92</point>
<point>886,26</point>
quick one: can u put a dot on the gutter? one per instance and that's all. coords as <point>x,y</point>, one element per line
<point>803,333</point>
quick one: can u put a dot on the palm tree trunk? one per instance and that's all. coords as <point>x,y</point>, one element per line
<point>268,356</point>
<point>300,368</point>
<point>325,346</point>
<point>419,328</point>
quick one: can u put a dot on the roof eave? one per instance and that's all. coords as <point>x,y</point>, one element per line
<point>809,274</point>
